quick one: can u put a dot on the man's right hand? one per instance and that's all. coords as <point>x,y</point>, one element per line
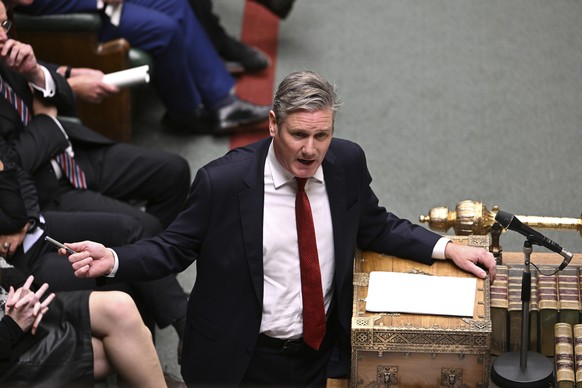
<point>88,85</point>
<point>91,260</point>
<point>20,57</point>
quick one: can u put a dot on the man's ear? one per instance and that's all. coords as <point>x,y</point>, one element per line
<point>272,123</point>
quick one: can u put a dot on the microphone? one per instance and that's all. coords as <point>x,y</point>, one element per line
<point>509,221</point>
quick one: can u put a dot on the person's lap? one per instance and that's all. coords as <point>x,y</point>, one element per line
<point>122,173</point>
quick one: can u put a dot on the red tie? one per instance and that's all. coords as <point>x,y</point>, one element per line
<point>311,288</point>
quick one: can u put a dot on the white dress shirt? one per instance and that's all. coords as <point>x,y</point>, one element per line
<point>282,302</point>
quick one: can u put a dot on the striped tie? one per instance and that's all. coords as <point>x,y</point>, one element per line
<point>71,170</point>
<point>8,93</point>
<point>68,165</point>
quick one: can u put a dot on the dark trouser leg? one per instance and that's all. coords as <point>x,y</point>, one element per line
<point>122,173</point>
<point>270,366</point>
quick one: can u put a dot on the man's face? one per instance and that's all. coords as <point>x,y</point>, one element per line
<point>302,140</point>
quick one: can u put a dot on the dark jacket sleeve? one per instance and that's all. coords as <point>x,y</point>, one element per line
<point>18,195</point>
<point>38,142</point>
<point>10,334</point>
<point>13,215</point>
<point>64,98</point>
<point>13,340</point>
<point>52,67</point>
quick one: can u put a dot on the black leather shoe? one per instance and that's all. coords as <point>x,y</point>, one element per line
<point>238,114</point>
<point>250,59</point>
<point>281,8</point>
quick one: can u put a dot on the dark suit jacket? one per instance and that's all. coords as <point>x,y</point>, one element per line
<point>221,228</point>
<point>35,145</point>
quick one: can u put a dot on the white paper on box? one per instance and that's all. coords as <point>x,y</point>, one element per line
<point>124,78</point>
<point>421,294</point>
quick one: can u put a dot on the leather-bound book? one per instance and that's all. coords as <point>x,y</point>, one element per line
<point>548,304</point>
<point>514,307</point>
<point>499,304</point>
<point>568,296</point>
<point>564,355</point>
<point>534,311</point>
<point>578,354</point>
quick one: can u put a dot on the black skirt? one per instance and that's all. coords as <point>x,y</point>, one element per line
<point>63,355</point>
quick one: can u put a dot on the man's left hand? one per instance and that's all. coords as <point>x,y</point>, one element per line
<point>477,261</point>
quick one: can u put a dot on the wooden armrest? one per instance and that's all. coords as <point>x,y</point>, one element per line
<point>113,46</point>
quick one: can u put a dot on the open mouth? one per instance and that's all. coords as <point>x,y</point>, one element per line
<point>306,162</point>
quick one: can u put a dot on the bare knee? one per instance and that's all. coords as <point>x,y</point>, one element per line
<point>113,309</point>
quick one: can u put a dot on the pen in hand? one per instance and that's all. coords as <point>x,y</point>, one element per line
<point>59,245</point>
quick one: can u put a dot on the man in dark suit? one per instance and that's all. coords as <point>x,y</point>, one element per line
<point>245,316</point>
<point>32,135</point>
<point>113,171</point>
<point>189,75</point>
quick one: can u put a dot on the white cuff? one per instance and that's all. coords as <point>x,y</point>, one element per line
<point>49,84</point>
<point>115,265</point>
<point>438,251</point>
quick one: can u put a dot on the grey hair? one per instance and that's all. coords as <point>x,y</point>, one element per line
<point>304,91</point>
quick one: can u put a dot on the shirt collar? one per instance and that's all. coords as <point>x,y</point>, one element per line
<point>281,176</point>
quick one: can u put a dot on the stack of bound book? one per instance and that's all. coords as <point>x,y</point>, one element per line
<point>568,355</point>
<point>555,298</point>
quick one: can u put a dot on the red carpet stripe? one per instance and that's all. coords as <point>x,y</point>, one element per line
<point>260,28</point>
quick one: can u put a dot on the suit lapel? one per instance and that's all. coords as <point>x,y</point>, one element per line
<point>336,192</point>
<point>251,202</point>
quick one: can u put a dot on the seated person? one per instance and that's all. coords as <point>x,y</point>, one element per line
<point>162,302</point>
<point>82,337</point>
<point>113,173</point>
<point>238,56</point>
<point>190,77</point>
<point>86,83</point>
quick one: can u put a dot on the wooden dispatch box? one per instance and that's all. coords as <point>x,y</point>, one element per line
<point>411,350</point>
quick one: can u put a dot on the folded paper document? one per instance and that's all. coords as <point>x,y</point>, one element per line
<point>420,294</point>
<point>134,76</point>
